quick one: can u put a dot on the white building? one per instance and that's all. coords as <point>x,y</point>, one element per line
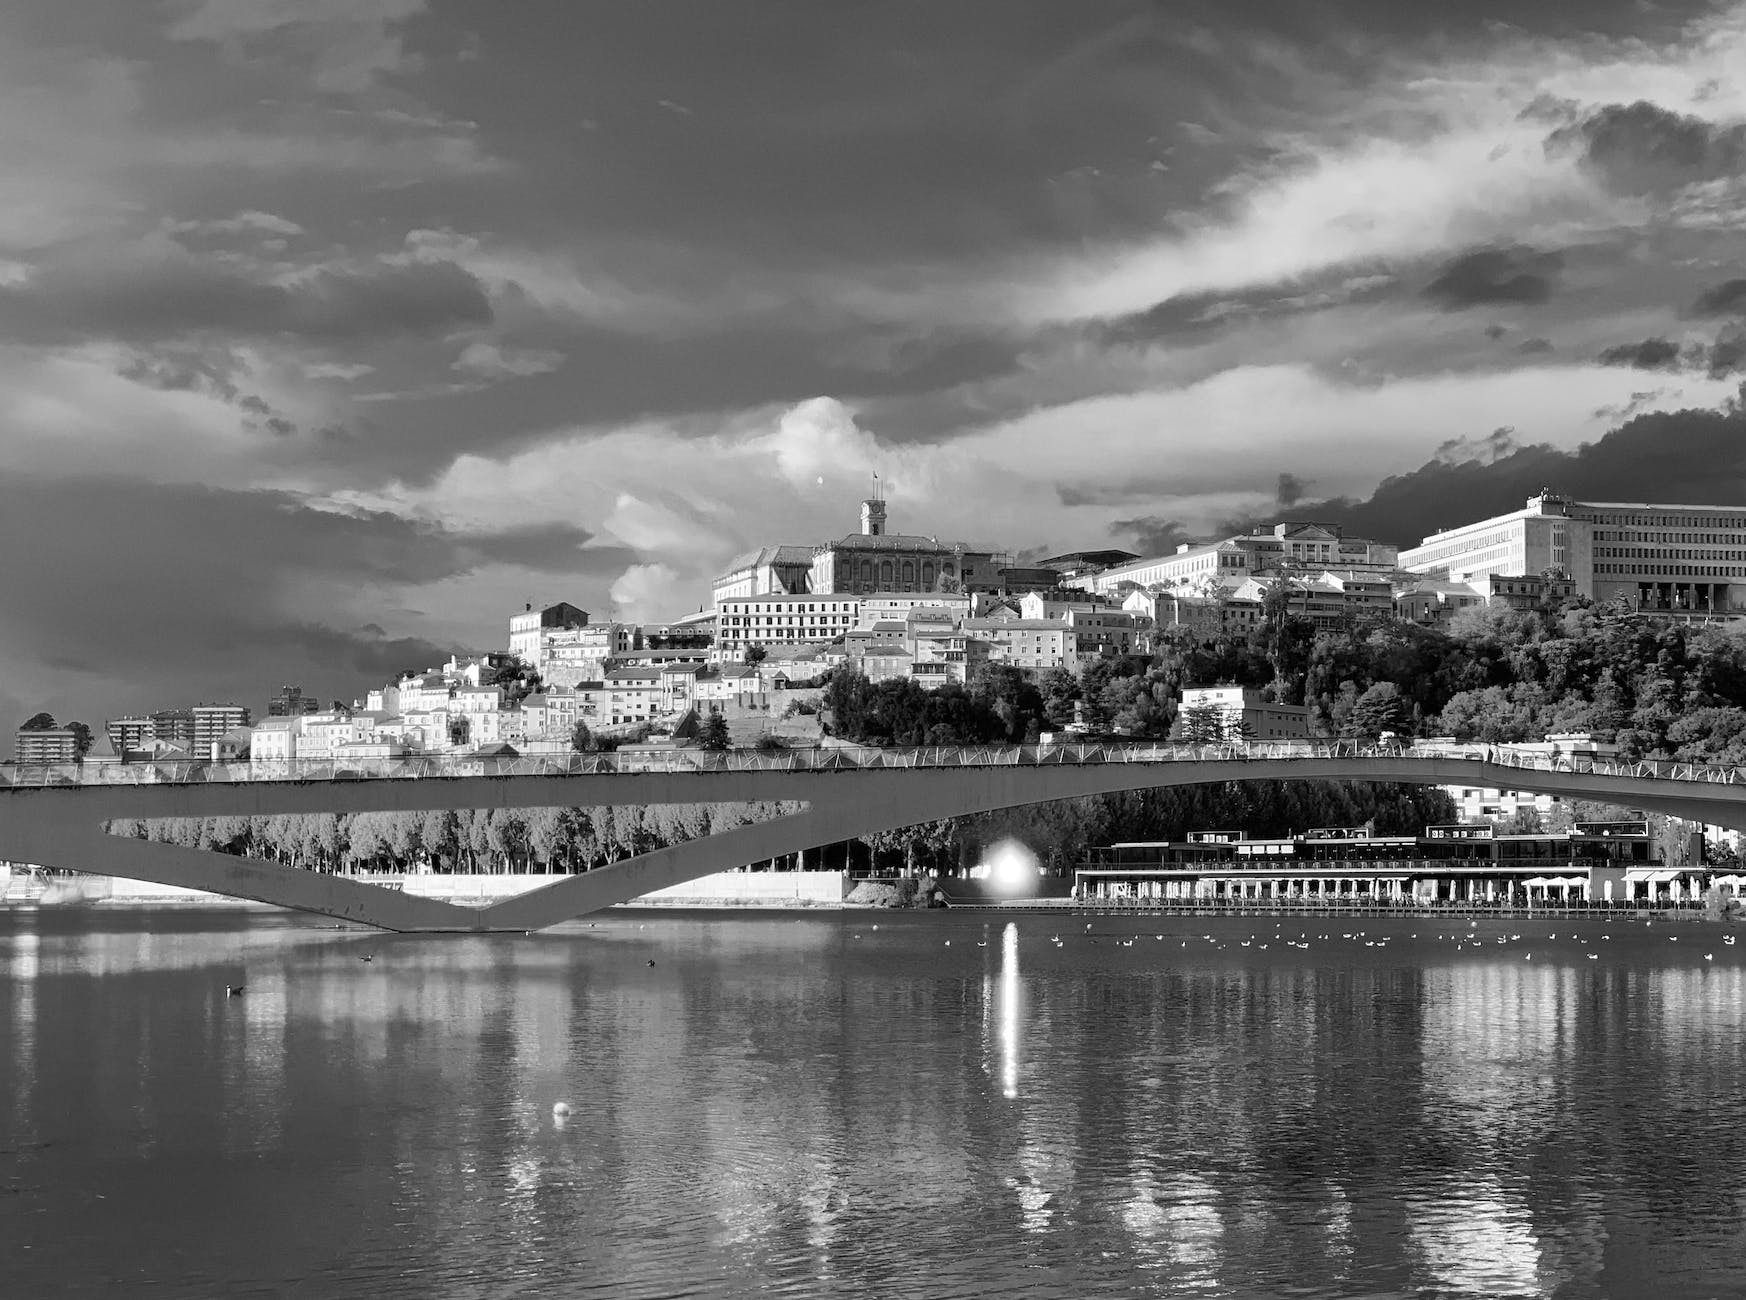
<point>275,739</point>
<point>1242,711</point>
<point>1542,535</point>
<point>1283,547</point>
<point>745,621</point>
<point>526,628</point>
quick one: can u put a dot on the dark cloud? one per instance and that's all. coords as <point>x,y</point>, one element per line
<point>1643,149</point>
<point>1151,534</point>
<point>1689,455</point>
<point>280,427</point>
<point>1726,299</point>
<point>1496,332</point>
<point>1534,347</point>
<point>1516,274</point>
<point>215,589</point>
<point>1650,354</point>
<point>1727,354</point>
<point>182,374</point>
<point>169,295</point>
<point>1289,490</point>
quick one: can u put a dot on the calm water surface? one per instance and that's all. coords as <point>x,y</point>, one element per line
<point>851,1105</point>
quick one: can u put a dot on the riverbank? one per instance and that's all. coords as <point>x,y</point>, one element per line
<point>773,890</point>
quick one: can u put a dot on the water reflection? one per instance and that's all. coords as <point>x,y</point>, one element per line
<point>808,1105</point>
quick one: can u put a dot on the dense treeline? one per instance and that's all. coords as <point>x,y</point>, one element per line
<point>1060,832</point>
<point>511,840</point>
<point>1655,687</point>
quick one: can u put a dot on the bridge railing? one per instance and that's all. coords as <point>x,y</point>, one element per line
<point>839,758</point>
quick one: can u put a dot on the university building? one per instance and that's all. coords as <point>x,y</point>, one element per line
<point>1285,547</point>
<point>1663,559</point>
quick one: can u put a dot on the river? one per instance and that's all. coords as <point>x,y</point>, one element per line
<point>871,1104</point>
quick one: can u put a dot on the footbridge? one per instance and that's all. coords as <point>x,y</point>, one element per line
<point>55,815</point>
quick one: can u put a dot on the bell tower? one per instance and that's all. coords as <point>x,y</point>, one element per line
<point>873,512</point>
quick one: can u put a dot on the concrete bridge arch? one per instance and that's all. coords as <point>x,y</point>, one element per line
<point>61,825</point>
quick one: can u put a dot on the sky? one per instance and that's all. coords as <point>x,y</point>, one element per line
<point>332,332</point>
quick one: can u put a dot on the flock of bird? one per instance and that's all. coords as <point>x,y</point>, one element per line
<point>1471,939</point>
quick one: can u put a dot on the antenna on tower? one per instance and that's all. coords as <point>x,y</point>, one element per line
<point>876,495</point>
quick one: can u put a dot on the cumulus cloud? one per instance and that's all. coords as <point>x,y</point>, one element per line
<point>644,593</point>
<point>1516,274</point>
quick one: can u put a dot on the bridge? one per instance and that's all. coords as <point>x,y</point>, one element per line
<point>55,815</point>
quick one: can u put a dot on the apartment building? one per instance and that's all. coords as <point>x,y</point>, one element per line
<point>48,745</point>
<point>212,722</point>
<point>745,621</point>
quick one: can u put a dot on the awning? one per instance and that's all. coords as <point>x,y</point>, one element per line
<point>1653,877</point>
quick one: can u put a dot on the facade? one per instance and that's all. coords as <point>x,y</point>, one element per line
<point>1243,712</point>
<point>174,726</point>
<point>1540,537</point>
<point>745,621</point>
<point>1595,862</point>
<point>1032,643</point>
<point>1285,547</point>
<point>895,606</point>
<point>212,721</point>
<point>275,740</point>
<point>130,735</point>
<point>525,628</point>
<point>1436,601</point>
<point>1665,559</point>
<point>571,655</point>
<point>876,560</point>
<point>767,571</point>
<point>1530,590</point>
<point>50,745</point>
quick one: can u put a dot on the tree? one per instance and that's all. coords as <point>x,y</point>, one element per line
<point>1378,709</point>
<point>756,654</point>
<point>82,740</point>
<point>582,740</point>
<point>39,722</point>
<point>1201,724</point>
<point>713,733</point>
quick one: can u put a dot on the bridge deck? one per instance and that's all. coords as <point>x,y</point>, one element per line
<point>55,815</point>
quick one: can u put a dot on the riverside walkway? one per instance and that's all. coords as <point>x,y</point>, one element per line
<point>55,815</point>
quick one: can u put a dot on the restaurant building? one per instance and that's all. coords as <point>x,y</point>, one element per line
<point>1594,862</point>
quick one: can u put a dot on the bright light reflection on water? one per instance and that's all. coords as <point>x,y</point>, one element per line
<point>805,1105</point>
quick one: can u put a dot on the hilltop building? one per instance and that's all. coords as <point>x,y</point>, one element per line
<point>1663,559</point>
<point>527,629</point>
<point>1283,548</point>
